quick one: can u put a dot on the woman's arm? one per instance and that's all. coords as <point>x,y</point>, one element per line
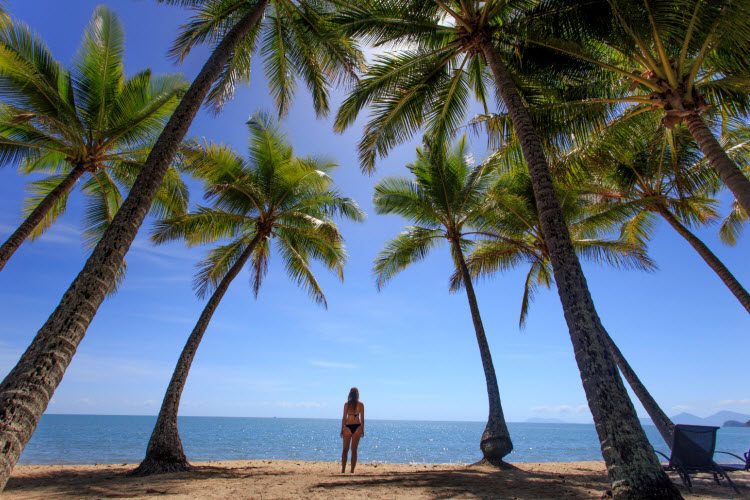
<point>363,419</point>
<point>343,421</point>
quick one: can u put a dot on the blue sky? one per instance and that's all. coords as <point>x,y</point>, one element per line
<point>410,348</point>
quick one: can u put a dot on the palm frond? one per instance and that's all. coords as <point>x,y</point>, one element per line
<point>409,247</point>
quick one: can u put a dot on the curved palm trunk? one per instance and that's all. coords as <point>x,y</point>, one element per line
<point>730,174</point>
<point>632,465</point>
<point>23,231</point>
<point>708,256</point>
<point>27,389</point>
<point>662,422</point>
<point>495,442</point>
<point>164,453</point>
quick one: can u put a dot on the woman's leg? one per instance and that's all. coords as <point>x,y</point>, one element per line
<point>347,437</point>
<point>355,442</point>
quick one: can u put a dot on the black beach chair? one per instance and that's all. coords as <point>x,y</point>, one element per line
<point>693,449</point>
<point>736,467</point>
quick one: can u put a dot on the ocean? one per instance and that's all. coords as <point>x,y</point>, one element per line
<point>99,439</point>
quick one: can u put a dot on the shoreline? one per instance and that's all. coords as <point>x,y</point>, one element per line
<point>310,479</point>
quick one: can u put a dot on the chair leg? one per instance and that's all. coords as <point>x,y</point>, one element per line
<point>731,483</point>
<point>689,482</point>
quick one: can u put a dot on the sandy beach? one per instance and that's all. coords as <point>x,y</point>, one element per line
<point>299,479</point>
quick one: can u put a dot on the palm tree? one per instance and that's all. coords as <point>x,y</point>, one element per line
<point>678,58</point>
<point>271,195</point>
<point>654,171</point>
<point>446,50</point>
<point>297,42</point>
<point>445,201</point>
<point>513,237</point>
<point>88,124</point>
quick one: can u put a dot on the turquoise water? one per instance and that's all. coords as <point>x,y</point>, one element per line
<point>76,439</point>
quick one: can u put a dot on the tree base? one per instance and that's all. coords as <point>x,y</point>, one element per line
<point>658,490</point>
<point>152,466</point>
<point>495,446</point>
<point>499,464</point>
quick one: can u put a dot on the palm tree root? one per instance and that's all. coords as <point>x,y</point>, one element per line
<point>499,464</point>
<point>153,465</point>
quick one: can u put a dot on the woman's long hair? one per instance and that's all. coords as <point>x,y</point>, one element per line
<point>353,398</point>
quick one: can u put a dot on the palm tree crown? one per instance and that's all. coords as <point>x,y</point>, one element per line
<point>295,39</point>
<point>646,169</point>
<point>512,235</point>
<point>89,122</point>
<point>445,200</point>
<point>681,59</point>
<point>270,195</point>
<point>430,79</point>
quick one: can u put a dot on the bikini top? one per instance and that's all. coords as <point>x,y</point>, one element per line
<point>356,413</point>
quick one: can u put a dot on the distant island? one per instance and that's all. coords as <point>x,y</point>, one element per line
<point>718,419</point>
<point>736,423</point>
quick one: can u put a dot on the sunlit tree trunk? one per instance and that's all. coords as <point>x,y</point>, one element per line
<point>709,258</point>
<point>26,390</point>
<point>662,422</point>
<point>495,443</point>
<point>730,174</point>
<point>632,465</point>
<point>164,453</point>
<point>37,215</point>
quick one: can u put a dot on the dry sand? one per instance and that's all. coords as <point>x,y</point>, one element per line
<point>299,479</point>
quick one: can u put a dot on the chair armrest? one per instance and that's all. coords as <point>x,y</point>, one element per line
<point>662,454</point>
<point>732,454</point>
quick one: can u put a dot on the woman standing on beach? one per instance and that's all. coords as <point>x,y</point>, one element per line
<point>352,427</point>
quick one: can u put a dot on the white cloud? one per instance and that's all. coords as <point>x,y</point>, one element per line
<point>681,408</point>
<point>58,233</point>
<point>332,364</point>
<point>161,253</point>
<point>561,410</point>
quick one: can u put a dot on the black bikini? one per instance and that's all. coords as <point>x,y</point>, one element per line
<point>353,427</point>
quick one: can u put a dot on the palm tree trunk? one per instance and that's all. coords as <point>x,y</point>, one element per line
<point>37,215</point>
<point>632,465</point>
<point>27,389</point>
<point>708,256</point>
<point>495,443</point>
<point>164,453</point>
<point>662,422</point>
<point>730,174</point>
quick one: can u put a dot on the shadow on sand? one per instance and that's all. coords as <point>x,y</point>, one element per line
<point>302,480</point>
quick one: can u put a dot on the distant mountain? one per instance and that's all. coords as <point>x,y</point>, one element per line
<point>716,419</point>
<point>735,423</point>
<point>689,419</point>
<point>537,420</point>
<point>722,416</point>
